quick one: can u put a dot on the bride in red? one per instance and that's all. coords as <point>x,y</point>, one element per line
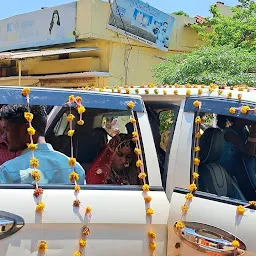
<point>116,164</point>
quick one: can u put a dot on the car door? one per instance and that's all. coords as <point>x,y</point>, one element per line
<point>118,222</point>
<point>212,220</point>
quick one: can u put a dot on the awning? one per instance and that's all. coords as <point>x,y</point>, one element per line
<point>43,53</point>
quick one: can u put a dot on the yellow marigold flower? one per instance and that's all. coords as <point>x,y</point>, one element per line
<point>184,209</point>
<point>36,175</point>
<point>175,92</point>
<point>195,86</point>
<point>34,163</point>
<point>28,116</point>
<point>40,207</point>
<point>82,243</point>
<point>32,146</point>
<point>130,104</point>
<point>80,122</point>
<point>77,253</point>
<point>72,161</point>
<point>25,91</point>
<point>254,111</point>
<point>76,203</point>
<point>151,85</point>
<point>133,120</point>
<point>235,244</point>
<point>198,120</point>
<point>232,110</point>
<point>245,109</point>
<point>145,188</point>
<point>189,196</point>
<point>147,199</point>
<point>88,210</point>
<point>195,175</point>
<point>229,95</point>
<point>86,231</point>
<point>149,211</point>
<point>142,176</point>
<point>71,98</point>
<point>196,104</point>
<point>156,91</point>
<point>70,118</point>
<point>200,91</point>
<point>31,131</point>
<point>239,96</point>
<point>192,187</point>
<point>197,149</point>
<point>198,135</point>
<point>164,92</point>
<point>180,225</point>
<point>100,89</point>
<point>188,85</point>
<point>210,90</point>
<point>81,109</point>
<point>77,188</point>
<point>78,99</point>
<point>220,92</point>
<point>146,91</point>
<point>196,161</point>
<point>240,89</point>
<point>135,136</point>
<point>188,93</point>
<point>152,246</point>
<point>240,210</point>
<point>152,235</point>
<point>42,246</point>
<point>139,163</point>
<point>252,203</point>
<point>73,176</point>
<point>71,133</point>
<point>127,91</point>
<point>137,151</point>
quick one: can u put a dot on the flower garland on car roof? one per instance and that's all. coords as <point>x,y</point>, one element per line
<point>240,210</point>
<point>142,176</point>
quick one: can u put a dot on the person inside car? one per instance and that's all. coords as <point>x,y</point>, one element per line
<point>53,165</point>
<point>116,164</point>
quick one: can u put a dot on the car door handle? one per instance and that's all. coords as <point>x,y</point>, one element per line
<point>210,240</point>
<point>9,224</point>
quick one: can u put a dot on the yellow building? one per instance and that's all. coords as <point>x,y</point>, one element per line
<point>114,59</point>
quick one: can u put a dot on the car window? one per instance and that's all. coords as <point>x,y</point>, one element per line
<point>226,168</point>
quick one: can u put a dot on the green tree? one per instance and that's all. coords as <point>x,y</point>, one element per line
<point>219,64</point>
<point>180,13</point>
<point>238,30</point>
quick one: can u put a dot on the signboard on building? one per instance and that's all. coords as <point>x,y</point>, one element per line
<point>48,26</point>
<point>142,22</point>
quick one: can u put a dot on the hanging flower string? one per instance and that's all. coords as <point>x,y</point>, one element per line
<point>142,176</point>
<point>34,163</point>
<point>74,177</point>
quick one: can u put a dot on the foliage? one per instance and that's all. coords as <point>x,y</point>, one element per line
<point>238,30</point>
<point>180,13</point>
<point>166,120</point>
<point>219,64</point>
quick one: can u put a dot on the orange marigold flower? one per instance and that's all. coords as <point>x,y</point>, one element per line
<point>76,203</point>
<point>40,207</point>
<point>78,99</point>
<point>77,188</point>
<point>148,199</point>
<point>71,133</point>
<point>240,210</point>
<point>42,246</point>
<point>38,192</point>
<point>70,117</point>
<point>198,135</point>
<point>142,176</point>
<point>73,176</point>
<point>145,188</point>
<point>80,122</point>
<point>184,209</point>
<point>175,92</point>
<point>192,187</point>
<point>195,175</point>
<point>86,231</point>
<point>197,149</point>
<point>34,163</point>
<point>25,91</point>
<point>72,161</point>
<point>189,196</point>
<point>36,175</point>
<point>152,235</point>
<point>152,246</point>
<point>245,109</point>
<point>196,104</point>
<point>252,203</point>
<point>180,225</point>
<point>130,104</point>
<point>196,161</point>
<point>88,210</point>
<point>235,244</point>
<point>28,116</point>
<point>81,109</point>
<point>232,110</point>
<point>149,211</point>
<point>82,243</point>
<point>31,131</point>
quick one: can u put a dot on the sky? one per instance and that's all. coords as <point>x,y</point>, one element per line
<point>192,7</point>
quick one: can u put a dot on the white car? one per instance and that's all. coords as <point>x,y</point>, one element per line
<point>208,224</point>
